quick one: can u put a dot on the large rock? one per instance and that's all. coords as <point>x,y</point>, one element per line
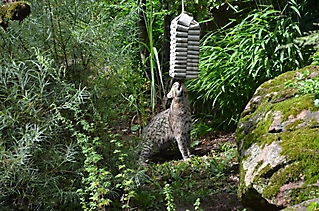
<point>278,145</point>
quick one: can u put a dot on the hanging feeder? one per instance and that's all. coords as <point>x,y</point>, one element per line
<point>184,47</point>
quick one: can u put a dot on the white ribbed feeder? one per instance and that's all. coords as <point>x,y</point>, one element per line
<point>184,50</point>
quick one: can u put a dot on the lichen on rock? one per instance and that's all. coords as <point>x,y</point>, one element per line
<point>278,144</point>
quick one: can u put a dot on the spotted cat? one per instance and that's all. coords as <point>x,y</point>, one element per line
<point>173,123</point>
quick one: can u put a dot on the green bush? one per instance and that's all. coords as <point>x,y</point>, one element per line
<point>235,61</point>
<point>39,159</point>
<point>56,148</point>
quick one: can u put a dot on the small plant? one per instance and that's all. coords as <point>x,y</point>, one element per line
<point>315,58</point>
<point>199,129</point>
<point>97,184</point>
<point>104,181</point>
<point>197,205</point>
<point>305,85</point>
<point>170,205</point>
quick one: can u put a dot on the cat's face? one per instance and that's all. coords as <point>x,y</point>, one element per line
<point>177,90</point>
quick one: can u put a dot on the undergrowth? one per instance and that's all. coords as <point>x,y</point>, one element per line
<point>189,183</point>
<point>40,160</point>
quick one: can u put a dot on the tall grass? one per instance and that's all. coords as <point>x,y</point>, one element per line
<point>235,61</point>
<point>153,58</point>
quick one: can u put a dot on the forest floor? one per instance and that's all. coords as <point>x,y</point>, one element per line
<point>224,196</point>
<point>225,199</point>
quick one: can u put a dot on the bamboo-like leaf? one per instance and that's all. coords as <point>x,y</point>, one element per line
<point>152,60</point>
<point>296,10</point>
<point>159,69</point>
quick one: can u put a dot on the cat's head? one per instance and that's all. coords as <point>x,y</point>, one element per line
<point>177,90</point>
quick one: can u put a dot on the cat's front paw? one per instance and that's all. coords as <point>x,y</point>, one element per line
<point>188,158</point>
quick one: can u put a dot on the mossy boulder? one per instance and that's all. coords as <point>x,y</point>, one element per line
<point>15,11</point>
<point>278,145</point>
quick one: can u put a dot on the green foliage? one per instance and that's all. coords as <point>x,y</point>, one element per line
<point>71,88</point>
<point>40,161</point>
<point>202,9</point>
<point>97,184</point>
<point>313,206</point>
<point>306,85</point>
<point>154,61</point>
<point>173,183</point>
<point>86,37</point>
<point>57,152</point>
<point>100,182</point>
<point>310,40</point>
<point>170,205</point>
<point>199,129</point>
<point>235,61</point>
<point>315,58</point>
<point>197,205</point>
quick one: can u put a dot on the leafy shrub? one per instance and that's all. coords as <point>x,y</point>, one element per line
<point>56,150</point>
<point>170,205</point>
<point>39,159</point>
<point>86,38</point>
<point>311,40</point>
<point>235,61</point>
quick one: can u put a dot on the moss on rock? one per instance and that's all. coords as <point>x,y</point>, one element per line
<point>296,123</point>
